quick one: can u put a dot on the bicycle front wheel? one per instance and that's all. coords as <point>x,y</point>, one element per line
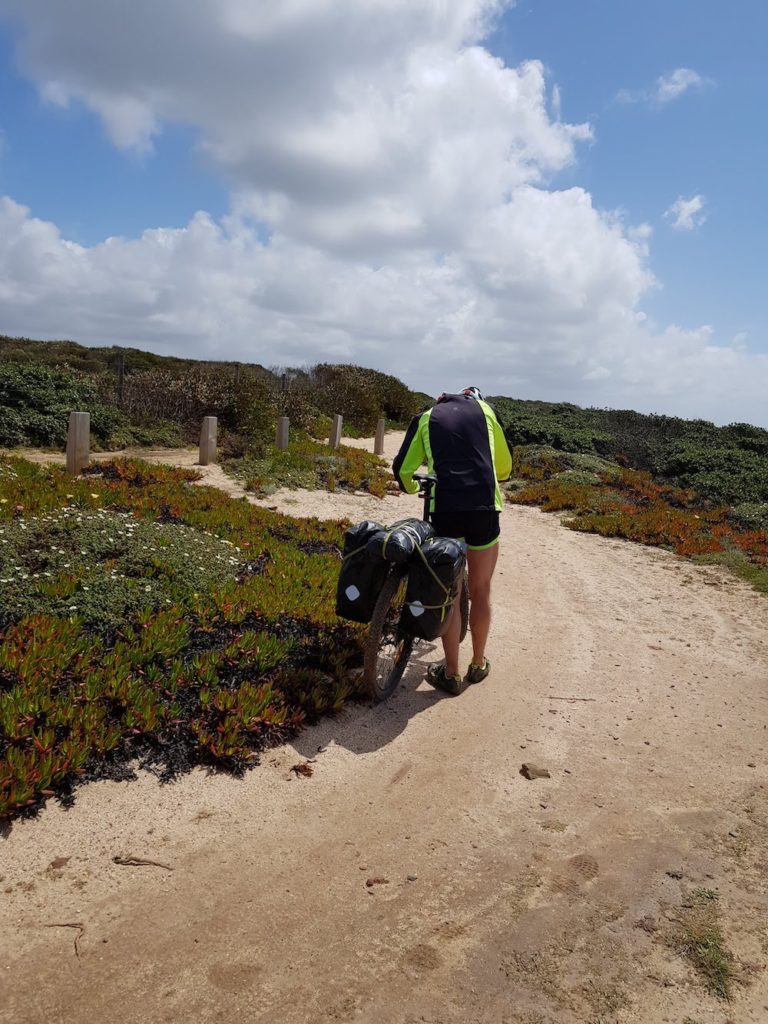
<point>387,648</point>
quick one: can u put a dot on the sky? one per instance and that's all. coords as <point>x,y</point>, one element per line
<point>548,199</point>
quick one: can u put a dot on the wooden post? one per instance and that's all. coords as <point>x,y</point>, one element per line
<point>208,441</point>
<point>335,438</point>
<point>238,369</point>
<point>78,442</point>
<point>378,444</point>
<point>282,432</point>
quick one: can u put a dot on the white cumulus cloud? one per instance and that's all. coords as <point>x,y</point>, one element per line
<point>360,125</point>
<point>687,214</point>
<point>393,204</point>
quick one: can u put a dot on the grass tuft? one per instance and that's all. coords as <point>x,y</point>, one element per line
<point>699,938</point>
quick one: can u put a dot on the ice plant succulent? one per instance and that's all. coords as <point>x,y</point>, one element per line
<point>158,620</point>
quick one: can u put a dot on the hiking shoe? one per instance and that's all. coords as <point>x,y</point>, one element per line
<point>477,673</point>
<point>437,676</point>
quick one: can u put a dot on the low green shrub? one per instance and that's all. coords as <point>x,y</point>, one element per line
<point>104,567</point>
<point>540,462</point>
<point>750,515</point>
<point>311,464</point>
<point>580,477</point>
<point>361,395</point>
<point>722,475</point>
<point>146,618</point>
<point>163,434</point>
<point>724,465</point>
<point>630,504</point>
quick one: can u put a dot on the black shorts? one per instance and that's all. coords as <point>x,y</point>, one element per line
<point>478,528</point>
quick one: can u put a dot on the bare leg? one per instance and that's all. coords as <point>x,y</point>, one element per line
<point>480,566</point>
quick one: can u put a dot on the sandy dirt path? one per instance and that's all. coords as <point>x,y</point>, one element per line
<point>638,680</point>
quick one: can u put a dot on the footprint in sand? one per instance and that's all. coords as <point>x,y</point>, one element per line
<point>579,871</point>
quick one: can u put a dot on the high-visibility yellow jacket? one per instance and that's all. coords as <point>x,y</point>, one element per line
<point>463,445</point>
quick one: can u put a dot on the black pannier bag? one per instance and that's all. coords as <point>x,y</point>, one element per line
<point>361,577</point>
<point>398,542</point>
<point>434,579</point>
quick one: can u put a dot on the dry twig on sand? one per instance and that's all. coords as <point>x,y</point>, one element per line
<point>140,862</point>
<point>74,924</point>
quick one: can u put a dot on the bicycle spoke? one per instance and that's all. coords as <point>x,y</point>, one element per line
<point>389,649</point>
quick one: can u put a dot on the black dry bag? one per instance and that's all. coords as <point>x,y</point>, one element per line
<point>398,542</point>
<point>434,578</point>
<point>361,577</point>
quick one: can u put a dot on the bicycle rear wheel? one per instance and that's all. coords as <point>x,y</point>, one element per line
<point>464,607</point>
<point>387,648</point>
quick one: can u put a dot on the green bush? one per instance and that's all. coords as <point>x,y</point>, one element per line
<point>244,404</point>
<point>750,515</point>
<point>313,465</point>
<point>537,461</point>
<point>724,475</point>
<point>159,390</point>
<point>36,400</point>
<point>91,359</point>
<point>154,435</point>
<point>561,426</point>
<point>724,465</point>
<point>362,395</point>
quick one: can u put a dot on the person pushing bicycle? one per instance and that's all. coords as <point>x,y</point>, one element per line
<point>464,447</point>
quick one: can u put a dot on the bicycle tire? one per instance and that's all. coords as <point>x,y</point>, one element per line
<point>464,607</point>
<point>387,650</point>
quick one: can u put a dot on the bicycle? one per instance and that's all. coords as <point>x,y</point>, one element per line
<point>387,647</point>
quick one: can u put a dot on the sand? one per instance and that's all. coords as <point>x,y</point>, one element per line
<point>637,679</point>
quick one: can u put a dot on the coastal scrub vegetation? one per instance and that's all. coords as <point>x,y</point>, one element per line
<point>137,399</point>
<point>723,465</point>
<point>145,619</point>
<point>163,399</point>
<point>614,501</point>
<point>312,464</point>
